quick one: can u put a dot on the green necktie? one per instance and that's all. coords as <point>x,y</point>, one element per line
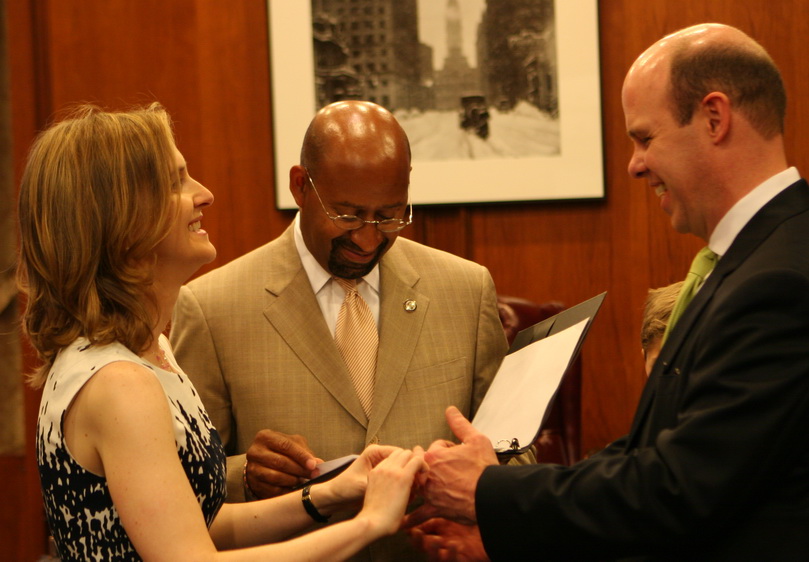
<point>700,267</point>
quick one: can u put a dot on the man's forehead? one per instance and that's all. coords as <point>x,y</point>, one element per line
<point>652,66</point>
<point>646,83</point>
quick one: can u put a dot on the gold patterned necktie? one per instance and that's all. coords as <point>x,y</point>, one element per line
<point>702,265</point>
<point>357,339</point>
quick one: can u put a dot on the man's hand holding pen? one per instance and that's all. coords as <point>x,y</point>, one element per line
<point>276,463</point>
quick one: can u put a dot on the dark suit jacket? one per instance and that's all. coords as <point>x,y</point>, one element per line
<point>716,464</point>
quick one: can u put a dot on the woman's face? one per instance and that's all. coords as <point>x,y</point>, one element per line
<point>187,247</point>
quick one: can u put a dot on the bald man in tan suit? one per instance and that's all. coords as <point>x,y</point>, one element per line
<point>257,335</point>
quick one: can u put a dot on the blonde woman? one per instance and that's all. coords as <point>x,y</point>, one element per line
<point>130,465</point>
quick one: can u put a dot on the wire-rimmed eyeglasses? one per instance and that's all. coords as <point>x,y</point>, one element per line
<point>353,222</point>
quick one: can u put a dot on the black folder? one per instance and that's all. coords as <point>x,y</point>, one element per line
<point>507,397</point>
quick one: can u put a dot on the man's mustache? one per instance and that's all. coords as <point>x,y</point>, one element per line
<point>349,245</point>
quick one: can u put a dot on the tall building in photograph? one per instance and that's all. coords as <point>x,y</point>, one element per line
<point>426,78</point>
<point>456,78</point>
<point>368,49</point>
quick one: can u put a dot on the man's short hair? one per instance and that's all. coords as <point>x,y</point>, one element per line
<point>748,76</point>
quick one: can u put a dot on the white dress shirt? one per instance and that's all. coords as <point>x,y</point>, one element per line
<point>329,294</point>
<point>740,214</point>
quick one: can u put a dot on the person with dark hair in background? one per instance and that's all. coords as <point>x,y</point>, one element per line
<point>130,465</point>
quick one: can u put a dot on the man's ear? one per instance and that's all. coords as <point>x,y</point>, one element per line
<point>298,179</point>
<point>716,110</point>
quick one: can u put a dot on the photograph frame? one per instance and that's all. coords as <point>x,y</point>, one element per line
<point>576,173</point>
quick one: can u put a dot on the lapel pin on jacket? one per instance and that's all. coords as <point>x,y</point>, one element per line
<point>410,305</point>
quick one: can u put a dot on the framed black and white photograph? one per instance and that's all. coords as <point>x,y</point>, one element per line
<point>500,99</point>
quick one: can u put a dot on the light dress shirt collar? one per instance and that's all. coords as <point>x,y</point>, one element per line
<point>328,293</point>
<point>740,214</point>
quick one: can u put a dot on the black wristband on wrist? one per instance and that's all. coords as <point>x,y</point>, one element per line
<point>310,507</point>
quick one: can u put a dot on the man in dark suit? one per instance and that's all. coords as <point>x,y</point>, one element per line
<point>716,464</point>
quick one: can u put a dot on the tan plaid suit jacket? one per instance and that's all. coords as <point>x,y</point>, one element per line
<point>253,340</point>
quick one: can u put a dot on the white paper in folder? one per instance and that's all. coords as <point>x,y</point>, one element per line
<point>521,392</point>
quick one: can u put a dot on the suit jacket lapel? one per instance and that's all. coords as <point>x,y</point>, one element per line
<point>792,201</point>
<point>294,312</point>
<point>399,332</point>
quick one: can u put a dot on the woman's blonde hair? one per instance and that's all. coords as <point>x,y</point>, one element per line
<point>95,201</point>
<point>656,313</point>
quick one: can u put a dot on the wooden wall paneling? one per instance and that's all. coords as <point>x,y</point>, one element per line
<point>117,54</point>
<point>14,497</point>
<point>236,124</point>
<point>22,534</point>
<point>442,227</point>
<point>613,360</point>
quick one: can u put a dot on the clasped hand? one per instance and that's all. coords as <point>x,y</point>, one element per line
<point>447,475</point>
<point>445,527</point>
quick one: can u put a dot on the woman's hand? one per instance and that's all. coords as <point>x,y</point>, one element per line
<point>389,486</point>
<point>348,488</point>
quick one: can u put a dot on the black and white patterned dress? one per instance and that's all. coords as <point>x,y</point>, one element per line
<point>82,518</point>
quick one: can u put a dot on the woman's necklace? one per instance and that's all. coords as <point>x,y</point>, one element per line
<point>162,360</point>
